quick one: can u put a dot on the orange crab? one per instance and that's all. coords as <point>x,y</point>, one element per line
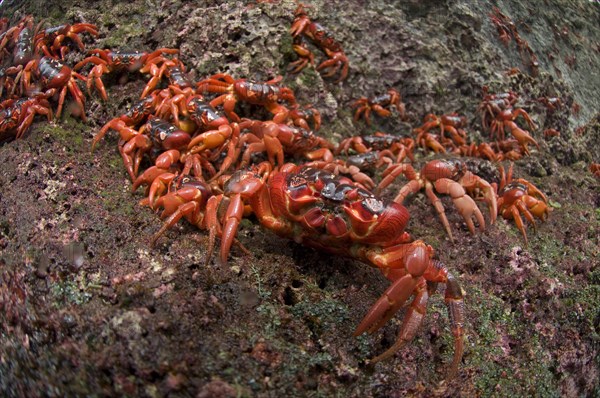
<point>56,78</point>
<point>451,177</point>
<point>520,197</point>
<point>17,115</point>
<point>106,61</point>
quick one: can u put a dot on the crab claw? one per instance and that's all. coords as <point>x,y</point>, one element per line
<point>472,182</point>
<point>465,204</point>
<point>522,136</point>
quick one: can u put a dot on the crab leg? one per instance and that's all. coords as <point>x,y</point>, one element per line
<point>456,312</point>
<point>414,258</point>
<point>439,208</point>
<point>411,322</point>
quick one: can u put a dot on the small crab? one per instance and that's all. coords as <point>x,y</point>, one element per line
<point>106,61</point>
<point>17,115</point>
<point>303,27</point>
<point>451,177</point>
<point>380,105</point>
<point>595,169</point>
<point>520,197</point>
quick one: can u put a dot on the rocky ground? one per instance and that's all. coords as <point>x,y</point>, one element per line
<point>90,309</point>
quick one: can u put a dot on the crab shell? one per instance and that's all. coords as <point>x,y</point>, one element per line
<point>333,212</point>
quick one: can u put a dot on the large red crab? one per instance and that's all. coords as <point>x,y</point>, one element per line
<point>332,213</point>
<point>56,77</point>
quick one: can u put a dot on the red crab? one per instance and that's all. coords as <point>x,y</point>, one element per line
<point>451,124</point>
<point>21,37</point>
<point>483,150</point>
<point>56,77</point>
<point>155,133</point>
<point>106,61</point>
<point>17,115</point>
<point>378,105</point>
<point>449,177</point>
<point>349,168</point>
<point>304,27</point>
<point>331,213</point>
<point>595,169</point>
<point>505,120</point>
<point>137,114</point>
<point>174,69</point>
<point>277,139</point>
<point>394,146</point>
<point>267,94</point>
<point>9,80</point>
<point>493,104</point>
<point>520,197</point>
<point>51,39</point>
<point>194,107</point>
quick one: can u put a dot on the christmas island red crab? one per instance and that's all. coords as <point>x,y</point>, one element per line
<point>137,114</point>
<point>106,61</point>
<point>277,139</point>
<point>17,115</point>
<point>304,27</point>
<point>267,94</point>
<point>396,147</point>
<point>333,214</point>
<point>520,197</point>
<point>21,37</point>
<point>595,169</point>
<point>56,77</point>
<point>494,104</point>
<point>505,120</point>
<point>449,176</point>
<point>50,40</point>
<point>451,124</point>
<point>154,133</point>
<point>378,104</point>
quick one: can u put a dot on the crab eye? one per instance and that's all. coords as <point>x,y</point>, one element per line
<point>373,205</point>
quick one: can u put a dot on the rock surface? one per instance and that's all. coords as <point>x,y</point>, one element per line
<point>89,309</point>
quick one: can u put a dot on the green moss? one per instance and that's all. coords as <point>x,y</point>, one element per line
<point>73,291</point>
<point>500,375</point>
<point>67,133</point>
<point>582,306</point>
<point>123,34</point>
<point>309,77</point>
